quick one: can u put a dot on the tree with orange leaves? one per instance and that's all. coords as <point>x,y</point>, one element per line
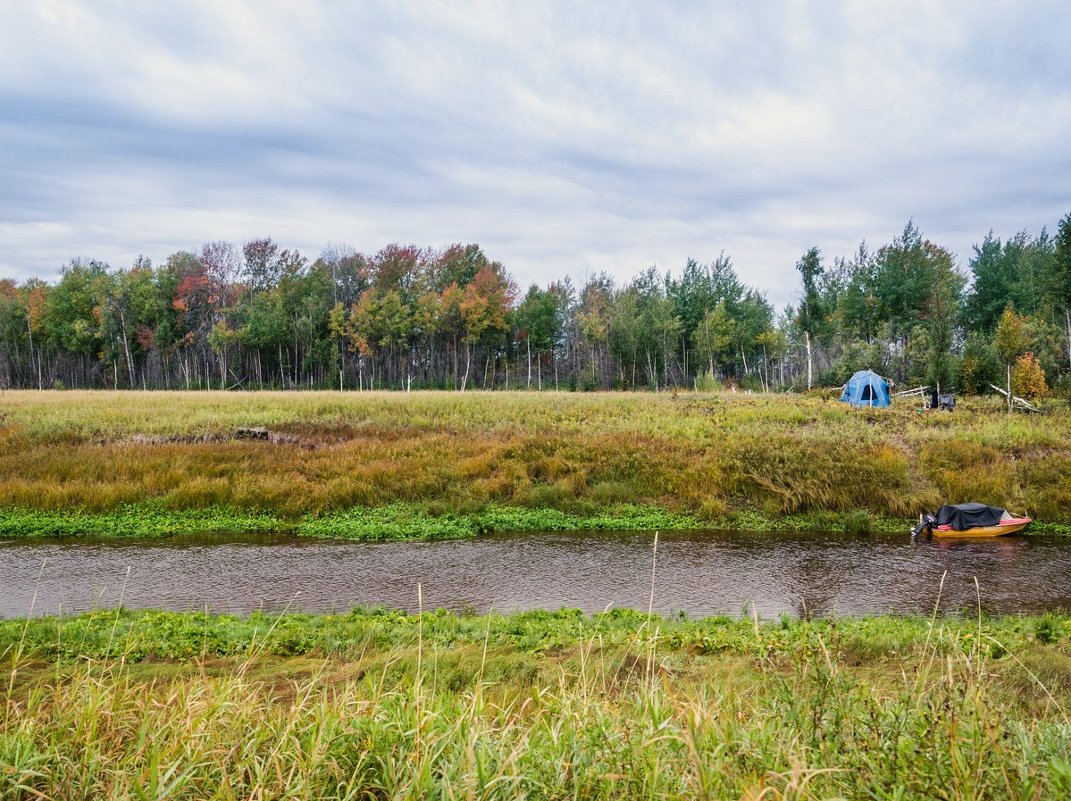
<point>483,310</point>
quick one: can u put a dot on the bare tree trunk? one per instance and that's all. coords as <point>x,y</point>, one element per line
<point>126,347</point>
<point>807,340</point>
<point>1009,389</point>
<point>468,360</point>
<point>1067,318</point>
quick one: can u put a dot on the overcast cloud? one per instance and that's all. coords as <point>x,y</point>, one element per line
<point>565,138</point>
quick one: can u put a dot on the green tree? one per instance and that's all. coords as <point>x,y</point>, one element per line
<point>812,315</point>
<point>940,315</point>
<point>1009,343</point>
<point>1015,272</point>
<point>714,337</point>
<point>754,320</point>
<point>1058,283</point>
<point>979,366</point>
<point>538,325</point>
<point>857,302</point>
<point>73,312</point>
<point>593,318</point>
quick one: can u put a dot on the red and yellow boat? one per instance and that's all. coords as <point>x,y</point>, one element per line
<point>970,520</point>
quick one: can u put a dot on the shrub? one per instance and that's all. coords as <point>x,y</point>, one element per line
<point>1028,379</point>
<point>858,522</point>
<point>707,382</point>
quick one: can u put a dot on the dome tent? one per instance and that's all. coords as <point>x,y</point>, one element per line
<point>866,388</point>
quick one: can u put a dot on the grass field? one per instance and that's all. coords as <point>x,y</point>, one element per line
<point>435,464</point>
<point>134,705</point>
<point>538,705</point>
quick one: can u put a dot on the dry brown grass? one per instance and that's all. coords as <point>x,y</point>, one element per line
<point>95,451</point>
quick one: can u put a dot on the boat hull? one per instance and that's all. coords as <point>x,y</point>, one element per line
<point>1010,527</point>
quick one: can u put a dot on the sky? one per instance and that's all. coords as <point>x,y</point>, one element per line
<point>566,138</point>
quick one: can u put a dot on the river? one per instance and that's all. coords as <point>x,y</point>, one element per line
<point>697,573</point>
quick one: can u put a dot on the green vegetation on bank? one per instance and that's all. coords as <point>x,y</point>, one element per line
<point>433,464</point>
<point>398,521</point>
<point>372,704</point>
<point>401,521</point>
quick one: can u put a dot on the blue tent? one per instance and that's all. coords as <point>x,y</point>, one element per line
<point>866,388</point>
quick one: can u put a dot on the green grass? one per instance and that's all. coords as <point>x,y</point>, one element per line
<point>378,704</point>
<point>438,464</point>
<point>397,521</point>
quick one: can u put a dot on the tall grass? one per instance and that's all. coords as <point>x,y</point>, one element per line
<point>540,705</point>
<point>724,460</point>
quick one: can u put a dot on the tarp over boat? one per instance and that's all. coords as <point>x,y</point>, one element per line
<point>962,516</point>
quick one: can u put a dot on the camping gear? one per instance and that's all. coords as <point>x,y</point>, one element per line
<point>941,400</point>
<point>969,520</point>
<point>866,388</point>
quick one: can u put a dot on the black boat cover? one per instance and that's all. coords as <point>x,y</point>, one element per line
<point>963,516</point>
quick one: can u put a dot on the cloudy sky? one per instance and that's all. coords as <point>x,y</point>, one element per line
<point>565,138</point>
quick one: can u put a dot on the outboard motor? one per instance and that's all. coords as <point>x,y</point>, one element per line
<point>926,523</point>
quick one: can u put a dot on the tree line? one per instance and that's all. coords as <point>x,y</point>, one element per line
<point>264,316</point>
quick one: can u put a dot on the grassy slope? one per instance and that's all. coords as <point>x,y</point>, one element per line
<point>536,705</point>
<point>432,464</point>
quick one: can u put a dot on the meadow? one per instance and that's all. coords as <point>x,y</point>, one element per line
<point>539,705</point>
<point>456,464</point>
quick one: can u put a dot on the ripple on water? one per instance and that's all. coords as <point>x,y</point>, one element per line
<point>700,573</point>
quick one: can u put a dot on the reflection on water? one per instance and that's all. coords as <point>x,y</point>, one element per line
<point>700,573</point>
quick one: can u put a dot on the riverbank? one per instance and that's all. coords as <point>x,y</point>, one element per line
<point>435,464</point>
<point>402,521</point>
<point>539,705</point>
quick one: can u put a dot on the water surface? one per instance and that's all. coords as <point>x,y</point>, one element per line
<point>699,573</point>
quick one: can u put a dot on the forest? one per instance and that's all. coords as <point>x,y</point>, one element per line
<point>405,317</point>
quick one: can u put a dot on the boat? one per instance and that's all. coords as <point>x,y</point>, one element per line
<point>969,520</point>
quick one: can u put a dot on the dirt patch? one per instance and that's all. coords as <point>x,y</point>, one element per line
<point>244,434</point>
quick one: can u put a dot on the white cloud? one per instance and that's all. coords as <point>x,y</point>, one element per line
<point>563,138</point>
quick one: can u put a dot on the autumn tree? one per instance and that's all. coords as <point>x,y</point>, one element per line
<point>1028,379</point>
<point>1009,342</point>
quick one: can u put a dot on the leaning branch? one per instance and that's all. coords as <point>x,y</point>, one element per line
<point>1017,401</point>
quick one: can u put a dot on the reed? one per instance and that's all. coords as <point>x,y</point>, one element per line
<point>538,705</point>
<point>339,462</point>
